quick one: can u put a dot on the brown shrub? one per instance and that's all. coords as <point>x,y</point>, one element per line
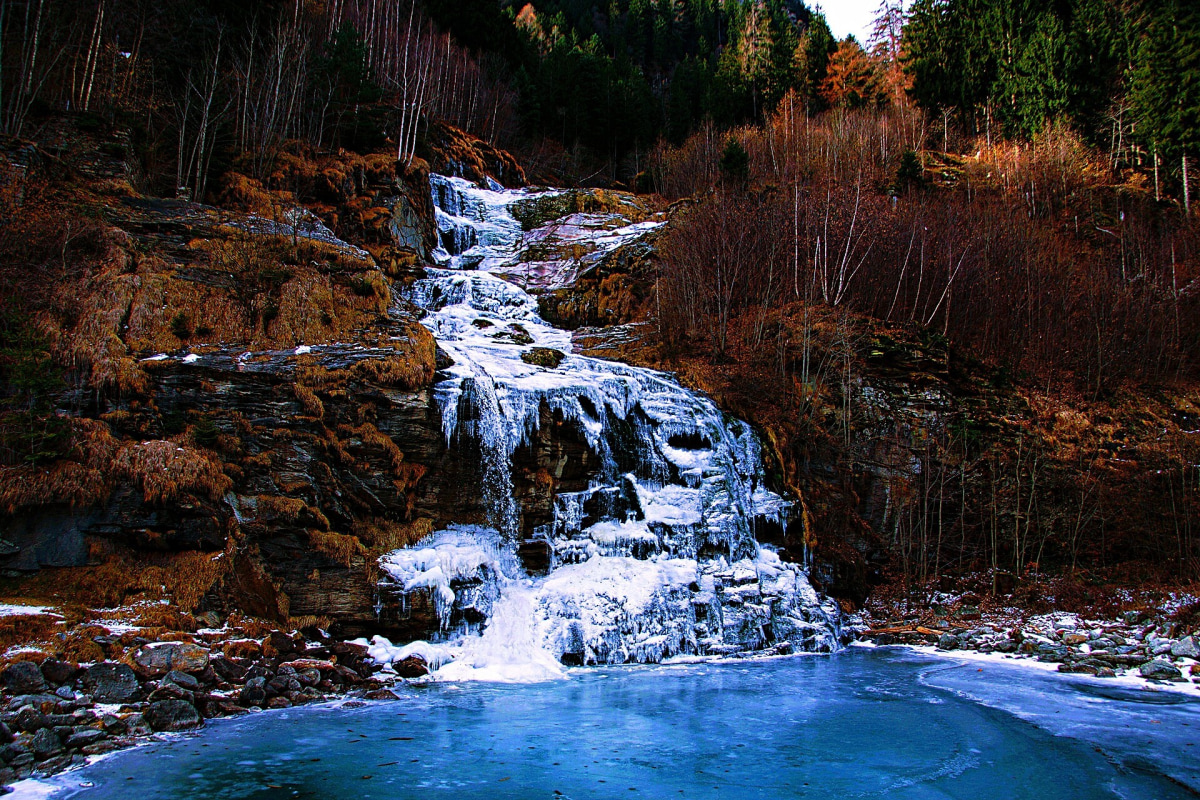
<point>336,546</point>
<point>164,470</point>
<point>385,535</point>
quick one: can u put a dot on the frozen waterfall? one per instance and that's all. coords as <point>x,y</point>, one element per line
<point>656,559</point>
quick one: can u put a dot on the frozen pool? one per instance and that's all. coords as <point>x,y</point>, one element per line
<point>860,723</point>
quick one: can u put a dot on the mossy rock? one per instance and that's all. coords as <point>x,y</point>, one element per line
<point>514,333</point>
<point>543,357</point>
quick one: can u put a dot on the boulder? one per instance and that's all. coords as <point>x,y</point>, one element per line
<point>59,671</point>
<point>173,715</point>
<point>29,719</point>
<point>1074,639</point>
<point>87,737</point>
<point>163,657</point>
<point>411,667</point>
<point>23,677</point>
<point>111,683</point>
<point>1159,670</point>
<point>948,641</point>
<point>45,744</point>
<point>1186,648</point>
<point>182,679</point>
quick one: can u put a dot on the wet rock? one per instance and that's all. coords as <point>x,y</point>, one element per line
<point>23,677</point>
<point>6,735</point>
<point>411,667</point>
<point>1160,670</point>
<point>111,683</point>
<point>45,744</point>
<point>1105,672</point>
<point>1186,648</point>
<point>947,641</point>
<point>87,737</point>
<point>65,692</point>
<point>279,702</point>
<point>59,672</point>
<point>173,715</point>
<point>381,694</point>
<point>159,659</point>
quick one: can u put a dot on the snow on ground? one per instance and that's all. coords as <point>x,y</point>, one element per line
<point>18,610</point>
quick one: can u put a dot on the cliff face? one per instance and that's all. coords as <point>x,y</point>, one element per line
<point>247,409</point>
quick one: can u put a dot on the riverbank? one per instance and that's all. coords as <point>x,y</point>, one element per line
<point>1158,649</point>
<point>80,688</point>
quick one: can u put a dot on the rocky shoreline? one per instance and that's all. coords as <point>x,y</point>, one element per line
<point>57,714</point>
<point>1139,645</point>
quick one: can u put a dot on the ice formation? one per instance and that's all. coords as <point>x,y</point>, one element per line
<point>477,230</point>
<point>657,558</point>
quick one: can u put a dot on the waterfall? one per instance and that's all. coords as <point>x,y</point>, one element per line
<point>656,558</point>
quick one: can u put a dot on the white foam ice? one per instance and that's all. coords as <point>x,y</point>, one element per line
<point>656,558</point>
<point>478,230</point>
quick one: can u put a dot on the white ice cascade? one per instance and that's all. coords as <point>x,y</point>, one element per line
<point>656,558</point>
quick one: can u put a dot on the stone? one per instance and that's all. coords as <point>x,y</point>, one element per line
<point>59,672</point>
<point>136,725</point>
<point>543,357</point>
<point>65,692</point>
<point>381,694</point>
<point>947,641</point>
<point>6,735</point>
<point>173,715</point>
<point>182,679</point>
<point>86,737</point>
<point>1078,669</point>
<point>411,667</point>
<point>23,677</point>
<point>279,702</point>
<point>45,744</point>
<point>281,642</point>
<point>1186,648</point>
<point>161,658</point>
<point>54,765</point>
<point>227,670</point>
<point>169,691</point>
<point>111,683</point>
<point>29,719</point>
<point>1074,639</point>
<point>1159,670</point>
<point>252,696</point>
<point>1105,672</point>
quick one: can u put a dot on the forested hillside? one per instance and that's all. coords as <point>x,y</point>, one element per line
<point>984,212</point>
